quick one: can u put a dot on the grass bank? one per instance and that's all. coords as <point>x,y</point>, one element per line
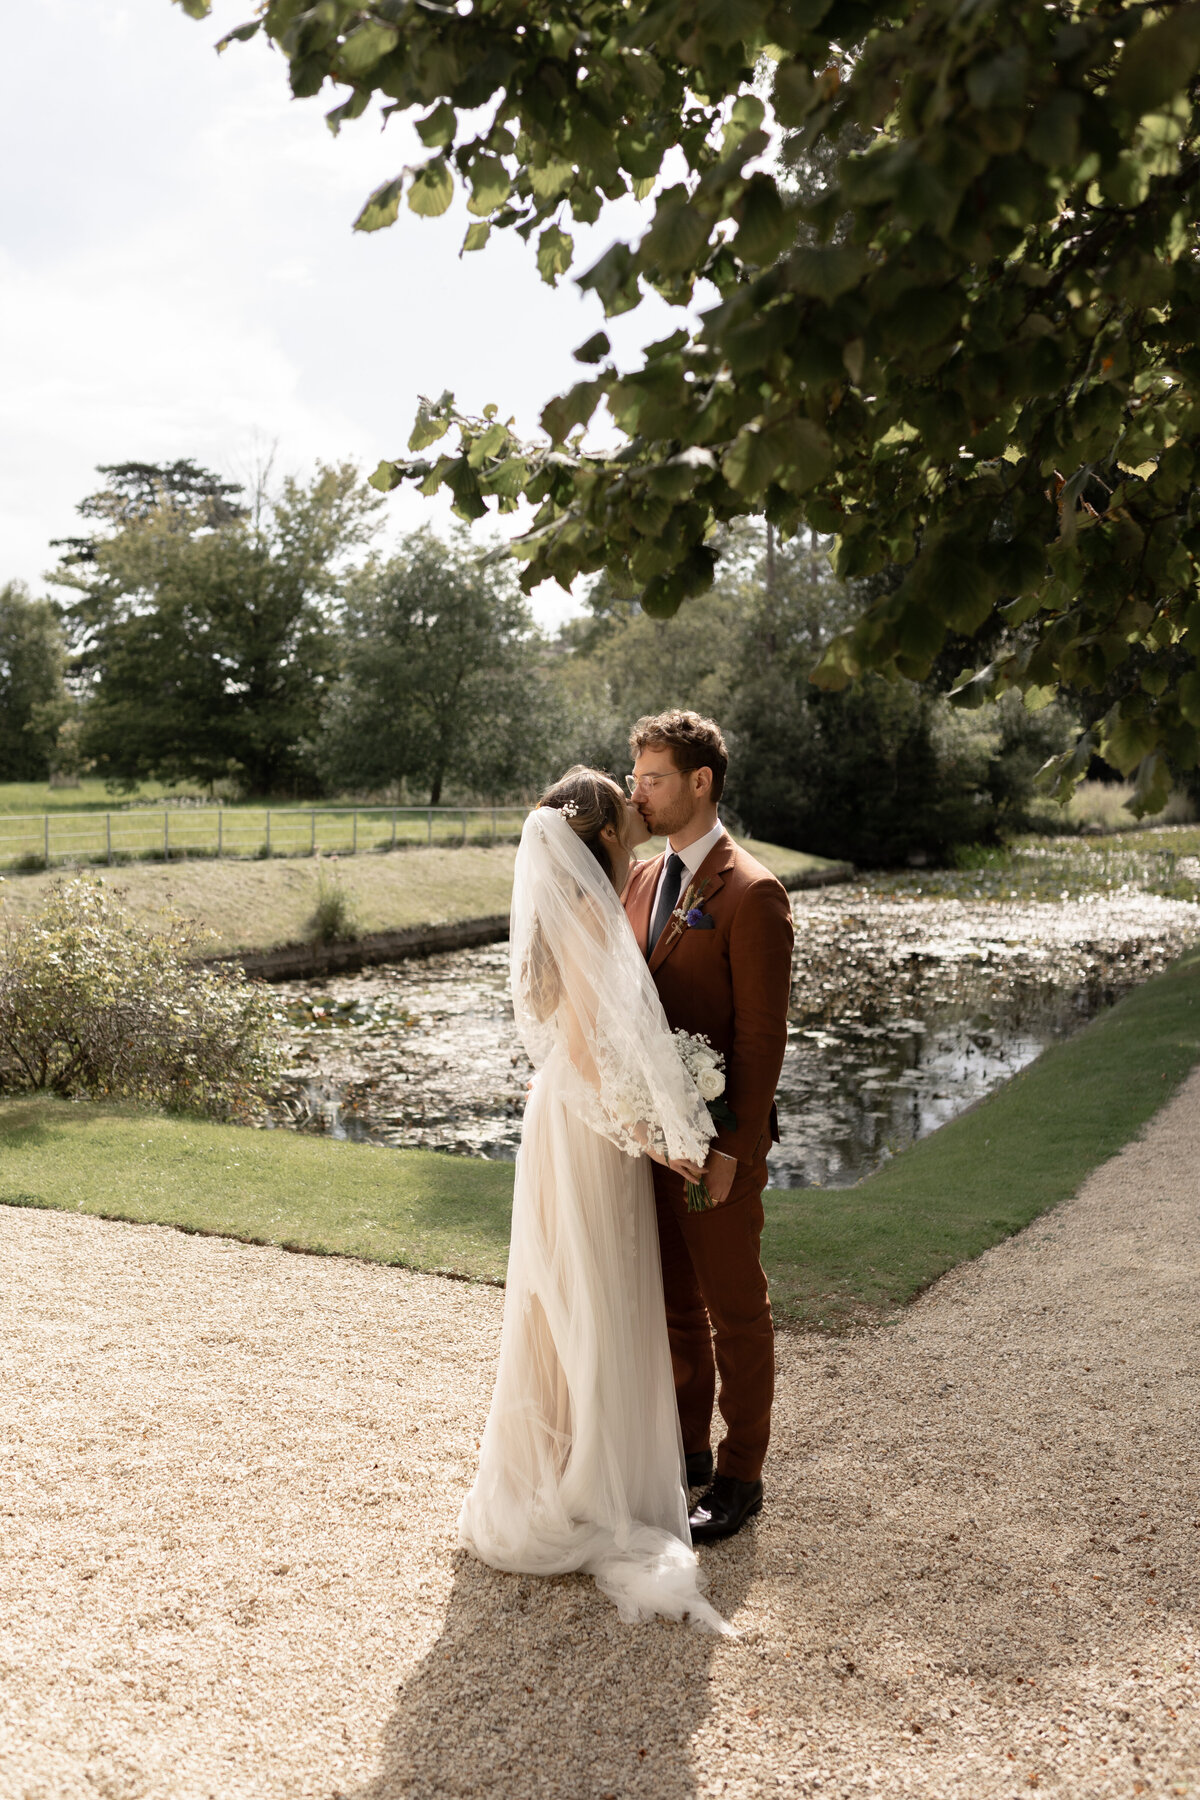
<point>259,905</point>
<point>834,1257</point>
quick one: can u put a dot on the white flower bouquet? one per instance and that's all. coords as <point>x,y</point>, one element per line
<point>706,1066</point>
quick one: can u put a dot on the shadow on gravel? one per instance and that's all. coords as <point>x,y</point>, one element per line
<point>535,1687</point>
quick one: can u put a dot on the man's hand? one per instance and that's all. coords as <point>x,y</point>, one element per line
<point>719,1172</point>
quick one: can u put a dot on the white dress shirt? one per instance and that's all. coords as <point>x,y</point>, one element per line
<point>693,855</point>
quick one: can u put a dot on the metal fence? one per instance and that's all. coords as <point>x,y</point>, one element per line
<point>39,840</point>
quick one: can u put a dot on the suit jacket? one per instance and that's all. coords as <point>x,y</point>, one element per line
<point>731,981</point>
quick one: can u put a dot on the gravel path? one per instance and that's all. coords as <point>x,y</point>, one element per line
<point>229,1477</point>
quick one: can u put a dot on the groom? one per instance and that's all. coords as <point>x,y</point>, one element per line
<point>724,971</point>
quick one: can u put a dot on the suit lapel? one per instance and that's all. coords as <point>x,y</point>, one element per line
<point>711,875</point>
<point>639,897</point>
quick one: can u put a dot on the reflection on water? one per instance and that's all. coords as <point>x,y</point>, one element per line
<point>907,1006</point>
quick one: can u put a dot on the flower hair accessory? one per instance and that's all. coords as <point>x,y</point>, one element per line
<point>568,809</point>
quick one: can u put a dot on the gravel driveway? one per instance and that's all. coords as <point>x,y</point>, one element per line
<point>229,1478</point>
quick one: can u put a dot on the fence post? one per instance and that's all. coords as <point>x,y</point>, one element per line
<point>354,833</point>
<point>464,824</point>
<point>312,845</point>
<point>166,832</point>
<point>429,833</point>
<point>46,839</point>
<point>393,828</point>
<point>493,825</point>
<point>220,831</point>
<point>108,835</point>
<point>268,810</point>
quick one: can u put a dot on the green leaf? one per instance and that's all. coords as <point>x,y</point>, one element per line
<point>676,239</point>
<point>803,454</point>
<point>749,465</point>
<point>490,185</point>
<point>1128,740</point>
<point>1152,786</point>
<point>477,235</point>
<point>554,252</point>
<point>765,228</point>
<point>240,34</point>
<point>572,409</point>
<point>975,688</point>
<point>432,189</point>
<point>747,115</point>
<point>383,206</point>
<point>1189,696</point>
<point>1160,61</point>
<point>436,130</point>
<point>430,426</point>
<point>595,350</point>
<point>386,477</point>
<point>550,179</point>
<point>489,443</point>
<point>1000,80</point>
<point>614,279</point>
<point>826,274</point>
<point>507,479</point>
<point>352,108</point>
<point>199,9</point>
<point>366,46</point>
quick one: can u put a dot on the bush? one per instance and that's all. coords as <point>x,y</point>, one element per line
<point>333,919</point>
<point>1103,806</point>
<point>94,1003</point>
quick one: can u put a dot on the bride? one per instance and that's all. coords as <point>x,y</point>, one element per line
<point>581,1464</point>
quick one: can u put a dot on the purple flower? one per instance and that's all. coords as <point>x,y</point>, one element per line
<point>695,915</point>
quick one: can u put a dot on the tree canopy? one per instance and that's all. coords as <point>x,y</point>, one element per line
<point>205,640</point>
<point>952,251</point>
<point>441,684</point>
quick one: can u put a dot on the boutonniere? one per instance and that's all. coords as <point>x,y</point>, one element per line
<point>689,915</point>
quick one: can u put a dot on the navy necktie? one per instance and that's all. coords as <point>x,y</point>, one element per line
<point>668,894</point>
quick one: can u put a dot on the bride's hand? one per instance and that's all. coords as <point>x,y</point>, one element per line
<point>689,1170</point>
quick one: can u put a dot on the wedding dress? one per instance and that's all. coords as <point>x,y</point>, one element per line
<point>581,1465</point>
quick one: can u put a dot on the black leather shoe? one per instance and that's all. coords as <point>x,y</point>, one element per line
<point>699,1468</point>
<point>724,1508</point>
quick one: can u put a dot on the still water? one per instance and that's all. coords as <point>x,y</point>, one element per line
<point>907,1005</point>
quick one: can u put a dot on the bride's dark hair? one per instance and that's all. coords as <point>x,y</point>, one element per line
<point>590,800</point>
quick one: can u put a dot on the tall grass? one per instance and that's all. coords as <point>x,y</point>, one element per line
<point>1103,806</point>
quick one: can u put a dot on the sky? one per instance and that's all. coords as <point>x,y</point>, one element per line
<point>179,276</point>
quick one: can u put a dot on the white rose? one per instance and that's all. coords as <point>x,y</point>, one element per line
<point>711,1084</point>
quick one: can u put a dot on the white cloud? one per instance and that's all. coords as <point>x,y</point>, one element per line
<point>180,277</point>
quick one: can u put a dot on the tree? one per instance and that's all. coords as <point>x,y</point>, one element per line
<point>33,697</point>
<point>206,640</point>
<point>135,490</point>
<point>442,683</point>
<point>967,348</point>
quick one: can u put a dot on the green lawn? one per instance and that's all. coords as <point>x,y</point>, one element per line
<point>834,1257</point>
<point>256,905</point>
<point>410,1207</point>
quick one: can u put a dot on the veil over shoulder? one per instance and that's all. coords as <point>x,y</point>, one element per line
<point>581,1464</point>
<point>581,985</point>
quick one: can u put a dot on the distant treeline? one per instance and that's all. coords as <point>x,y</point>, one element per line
<point>263,644</point>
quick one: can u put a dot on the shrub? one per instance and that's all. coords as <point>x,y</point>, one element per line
<point>1104,806</point>
<point>333,919</point>
<point>92,1002</point>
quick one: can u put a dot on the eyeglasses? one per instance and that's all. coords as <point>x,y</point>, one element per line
<point>649,782</point>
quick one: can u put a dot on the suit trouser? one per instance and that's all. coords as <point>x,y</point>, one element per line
<point>715,1288</point>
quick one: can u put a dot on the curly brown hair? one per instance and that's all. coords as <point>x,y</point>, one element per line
<point>695,743</point>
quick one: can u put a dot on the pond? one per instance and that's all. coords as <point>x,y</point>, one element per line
<point>911,998</point>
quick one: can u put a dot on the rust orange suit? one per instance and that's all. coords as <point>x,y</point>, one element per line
<point>731,982</point>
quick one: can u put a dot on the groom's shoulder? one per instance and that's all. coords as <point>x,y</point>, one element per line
<point>750,871</point>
